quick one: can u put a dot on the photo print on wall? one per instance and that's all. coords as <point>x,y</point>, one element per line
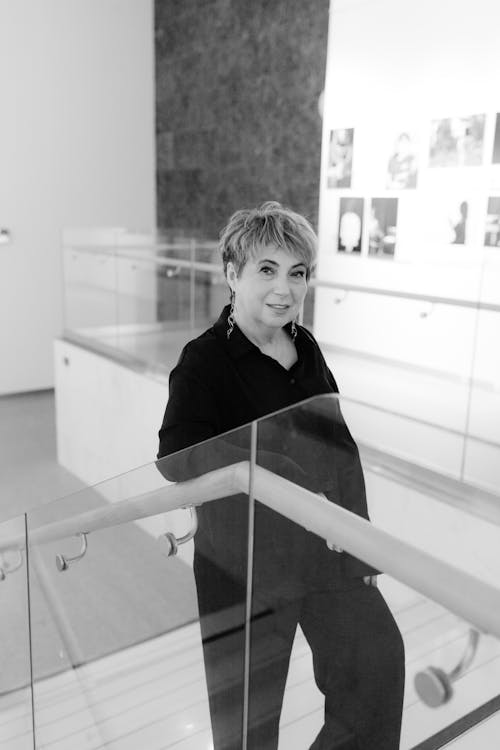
<point>457,141</point>
<point>445,220</point>
<point>350,225</point>
<point>458,222</point>
<point>496,143</point>
<point>340,148</point>
<point>402,164</point>
<point>492,229</point>
<point>382,227</point>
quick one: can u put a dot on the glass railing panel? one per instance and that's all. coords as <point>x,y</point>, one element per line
<point>190,303</point>
<point>175,290</point>
<point>89,273</point>
<point>145,325</point>
<point>452,670</point>
<point>164,299</point>
<point>327,589</point>
<point>16,716</point>
<point>144,296</point>
<point>139,297</point>
<point>483,427</point>
<point>418,501</point>
<point>118,659</point>
<point>383,347</point>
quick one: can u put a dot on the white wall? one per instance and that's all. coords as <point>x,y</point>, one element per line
<point>76,149</point>
<point>396,66</point>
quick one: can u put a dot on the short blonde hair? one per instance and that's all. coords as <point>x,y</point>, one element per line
<point>269,224</point>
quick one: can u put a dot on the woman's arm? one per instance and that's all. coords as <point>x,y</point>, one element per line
<point>192,441</point>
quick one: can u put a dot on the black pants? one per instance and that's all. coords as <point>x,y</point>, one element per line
<point>358,659</point>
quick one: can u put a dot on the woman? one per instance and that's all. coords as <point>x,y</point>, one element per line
<point>255,360</point>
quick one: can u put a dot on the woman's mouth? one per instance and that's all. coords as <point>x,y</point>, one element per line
<point>279,308</point>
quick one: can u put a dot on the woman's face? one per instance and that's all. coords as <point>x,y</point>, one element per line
<point>270,289</point>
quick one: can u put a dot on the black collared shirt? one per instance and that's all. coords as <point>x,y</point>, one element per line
<point>221,384</point>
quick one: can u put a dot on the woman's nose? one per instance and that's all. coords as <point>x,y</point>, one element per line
<point>282,285</point>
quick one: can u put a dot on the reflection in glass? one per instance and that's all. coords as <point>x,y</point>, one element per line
<point>300,580</point>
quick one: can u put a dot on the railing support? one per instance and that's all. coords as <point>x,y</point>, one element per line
<point>63,562</point>
<point>169,543</point>
<point>434,686</point>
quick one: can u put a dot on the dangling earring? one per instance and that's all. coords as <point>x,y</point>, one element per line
<point>230,319</point>
<point>293,330</point>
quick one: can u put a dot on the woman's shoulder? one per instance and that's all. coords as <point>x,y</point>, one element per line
<point>204,350</point>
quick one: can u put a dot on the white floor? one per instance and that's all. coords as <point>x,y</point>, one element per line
<point>153,695</point>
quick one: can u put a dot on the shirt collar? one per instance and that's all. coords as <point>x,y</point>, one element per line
<point>237,344</point>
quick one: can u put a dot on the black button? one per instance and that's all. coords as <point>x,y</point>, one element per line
<point>292,381</point>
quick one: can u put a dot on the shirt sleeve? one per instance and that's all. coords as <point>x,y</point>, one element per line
<point>190,419</point>
<point>190,416</point>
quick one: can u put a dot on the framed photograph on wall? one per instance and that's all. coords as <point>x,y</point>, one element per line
<point>458,214</point>
<point>492,228</point>
<point>340,149</point>
<point>445,220</point>
<point>350,229</point>
<point>402,163</point>
<point>457,141</point>
<point>382,227</point>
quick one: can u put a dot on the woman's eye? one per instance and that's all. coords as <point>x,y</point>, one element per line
<point>266,270</point>
<point>299,274</point>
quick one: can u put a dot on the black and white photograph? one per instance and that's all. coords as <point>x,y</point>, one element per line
<point>340,152</point>
<point>492,228</point>
<point>457,217</point>
<point>496,142</point>
<point>249,375</point>
<point>402,164</point>
<point>382,227</point>
<point>457,141</point>
<point>444,220</point>
<point>350,225</point>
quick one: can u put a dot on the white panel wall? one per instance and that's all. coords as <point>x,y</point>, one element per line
<point>77,149</point>
<point>108,415</point>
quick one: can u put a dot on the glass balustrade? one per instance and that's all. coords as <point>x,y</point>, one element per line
<point>452,671</point>
<point>383,347</point>
<point>89,292</point>
<point>16,718</point>
<point>116,634</point>
<point>141,297</point>
<point>135,646</point>
<point>138,296</point>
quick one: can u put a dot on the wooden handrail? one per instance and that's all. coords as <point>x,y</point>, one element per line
<point>468,597</point>
<point>211,486</point>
